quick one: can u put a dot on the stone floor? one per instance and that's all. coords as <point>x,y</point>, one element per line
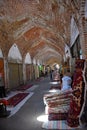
<point>26,117</point>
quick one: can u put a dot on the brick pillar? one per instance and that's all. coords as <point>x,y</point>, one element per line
<point>6,73</point>
<point>24,72</point>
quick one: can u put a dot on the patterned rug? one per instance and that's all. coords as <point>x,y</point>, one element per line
<point>14,109</point>
<point>58,125</point>
<point>25,87</point>
<point>13,101</point>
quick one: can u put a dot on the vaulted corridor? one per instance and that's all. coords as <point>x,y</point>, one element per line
<point>38,37</point>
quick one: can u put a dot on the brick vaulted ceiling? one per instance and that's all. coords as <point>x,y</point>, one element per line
<point>40,27</point>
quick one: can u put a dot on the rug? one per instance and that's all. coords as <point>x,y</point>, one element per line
<point>57,116</point>
<point>58,125</point>
<point>13,101</point>
<point>25,87</point>
<point>15,109</point>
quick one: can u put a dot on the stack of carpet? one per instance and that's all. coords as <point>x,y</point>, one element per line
<point>67,105</point>
<point>77,101</point>
<point>57,105</point>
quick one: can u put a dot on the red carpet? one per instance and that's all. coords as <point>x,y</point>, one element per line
<point>13,101</point>
<point>57,116</point>
<point>22,88</point>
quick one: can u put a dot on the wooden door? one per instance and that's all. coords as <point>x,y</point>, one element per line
<point>13,75</point>
<point>20,67</point>
<point>28,70</point>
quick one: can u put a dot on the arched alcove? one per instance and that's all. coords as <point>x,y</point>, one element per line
<point>28,66</point>
<point>34,61</point>
<point>14,54</point>
<point>28,59</point>
<point>74,31</point>
<point>15,67</point>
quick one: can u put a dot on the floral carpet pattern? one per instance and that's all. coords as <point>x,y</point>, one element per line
<point>17,107</point>
<point>13,101</point>
<point>16,99</point>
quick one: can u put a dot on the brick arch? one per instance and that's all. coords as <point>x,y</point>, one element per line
<point>48,53</point>
<point>41,31</point>
<point>52,22</point>
<point>35,37</point>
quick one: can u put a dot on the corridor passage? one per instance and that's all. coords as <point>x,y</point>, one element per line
<point>39,38</point>
<point>26,117</point>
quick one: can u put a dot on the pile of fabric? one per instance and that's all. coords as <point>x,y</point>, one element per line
<point>57,104</point>
<point>67,104</point>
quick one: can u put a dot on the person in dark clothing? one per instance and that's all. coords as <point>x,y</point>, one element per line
<point>51,77</point>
